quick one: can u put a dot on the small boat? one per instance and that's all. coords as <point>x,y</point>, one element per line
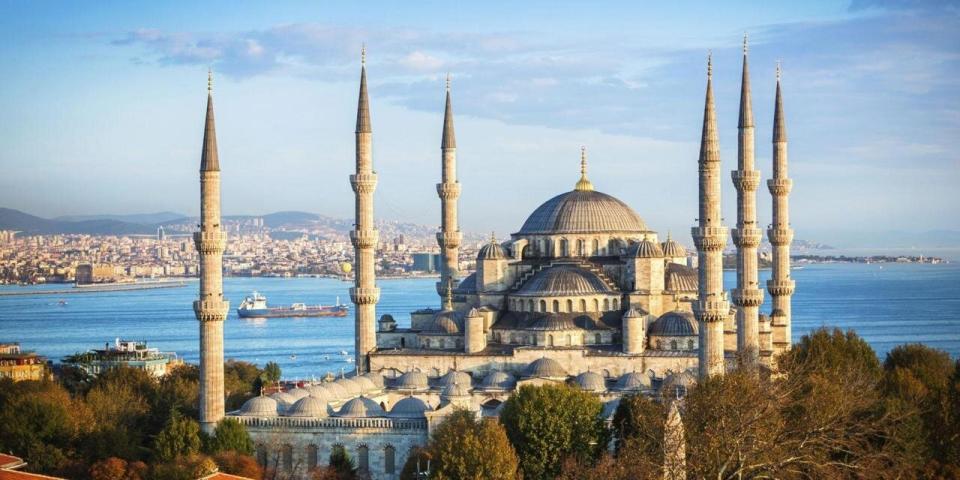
<point>62,303</point>
<point>255,306</point>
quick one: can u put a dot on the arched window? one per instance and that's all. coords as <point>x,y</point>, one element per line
<point>525,252</point>
<point>673,344</point>
<point>389,460</point>
<point>596,247</point>
<point>564,248</point>
<point>616,304</point>
<point>596,305</point>
<point>606,304</point>
<point>534,338</point>
<point>569,305</point>
<point>403,342</point>
<point>597,339</point>
<point>581,248</point>
<point>287,456</point>
<point>690,344</point>
<point>363,458</point>
<point>543,305</point>
<point>549,340</point>
<point>556,306</point>
<point>583,305</point>
<point>312,452</point>
<point>262,455</point>
<point>529,305</point>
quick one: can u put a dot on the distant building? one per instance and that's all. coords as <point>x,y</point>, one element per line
<point>99,273</point>
<point>426,262</point>
<point>124,353</point>
<point>20,365</point>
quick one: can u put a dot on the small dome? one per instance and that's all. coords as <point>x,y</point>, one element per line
<point>632,382</point>
<point>412,381</point>
<point>455,376</point>
<point>474,313</point>
<point>645,249</point>
<point>678,383</point>
<point>491,251</point>
<point>674,324</point>
<point>298,392</point>
<point>360,407</point>
<point>498,381</point>
<point>365,383</point>
<point>351,386</point>
<point>410,407</point>
<point>308,407</point>
<point>591,382</point>
<point>387,318</point>
<point>375,378</point>
<point>336,391</point>
<point>635,312</point>
<point>260,406</point>
<point>284,400</point>
<point>564,280</point>
<point>545,368</point>
<point>672,248</point>
<point>320,393</point>
<point>455,390</point>
<point>446,322</point>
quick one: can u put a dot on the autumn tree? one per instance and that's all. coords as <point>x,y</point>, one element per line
<point>548,423</point>
<point>237,464</point>
<point>464,448</point>
<point>112,468</point>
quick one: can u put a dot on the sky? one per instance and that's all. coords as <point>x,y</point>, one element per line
<point>102,103</point>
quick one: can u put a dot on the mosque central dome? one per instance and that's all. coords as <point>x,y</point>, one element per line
<point>583,211</point>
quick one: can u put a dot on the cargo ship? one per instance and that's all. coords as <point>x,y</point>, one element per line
<point>255,306</point>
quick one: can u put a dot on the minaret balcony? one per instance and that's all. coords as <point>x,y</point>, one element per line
<point>780,236</point>
<point>779,186</point>
<point>363,182</point>
<point>781,288</point>
<point>709,239</point>
<point>211,310</point>
<point>747,237</point>
<point>746,180</point>
<point>211,241</point>
<point>364,296</point>
<point>363,239</point>
<point>747,297</point>
<point>711,310</point>
<point>448,190</point>
<point>449,239</point>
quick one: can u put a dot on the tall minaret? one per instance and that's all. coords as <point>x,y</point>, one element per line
<point>711,308</point>
<point>211,308</point>
<point>365,293</point>
<point>780,285</point>
<point>747,296</point>
<point>448,189</point>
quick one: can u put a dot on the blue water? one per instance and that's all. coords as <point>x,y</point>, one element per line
<point>887,306</point>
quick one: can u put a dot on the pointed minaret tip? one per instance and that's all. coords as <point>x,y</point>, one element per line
<point>583,185</point>
<point>209,81</point>
<point>709,64</point>
<point>449,139</point>
<point>779,123</point>
<point>363,104</point>
<point>363,54</point>
<point>744,43</point>
<point>209,158</point>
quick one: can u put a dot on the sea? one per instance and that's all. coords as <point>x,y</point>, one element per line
<point>886,304</point>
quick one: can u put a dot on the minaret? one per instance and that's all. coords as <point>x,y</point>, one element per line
<point>365,293</point>
<point>211,308</point>
<point>747,296</point>
<point>710,237</point>
<point>448,189</point>
<point>780,285</point>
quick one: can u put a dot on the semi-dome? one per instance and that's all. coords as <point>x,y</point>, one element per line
<point>645,249</point>
<point>259,406</point>
<point>591,382</point>
<point>455,390</point>
<point>632,382</point>
<point>410,407</point>
<point>320,392</point>
<point>298,393</point>
<point>545,368</point>
<point>491,251</point>
<point>360,407</point>
<point>412,381</point>
<point>455,376</point>
<point>674,324</point>
<point>497,380</point>
<point>583,211</point>
<point>564,280</point>
<point>308,407</point>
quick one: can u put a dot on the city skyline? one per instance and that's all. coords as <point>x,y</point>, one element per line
<point>527,96</point>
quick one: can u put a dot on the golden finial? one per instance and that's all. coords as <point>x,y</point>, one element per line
<point>583,184</point>
<point>209,80</point>
<point>668,235</point>
<point>493,237</point>
<point>779,70</point>
<point>709,63</point>
<point>448,81</point>
<point>363,54</point>
<point>744,43</point>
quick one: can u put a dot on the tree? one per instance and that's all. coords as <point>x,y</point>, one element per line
<point>237,464</point>
<point>188,467</point>
<point>342,464</point>
<point>548,423</point>
<point>464,448</point>
<point>231,435</point>
<point>180,437</point>
<point>271,372</point>
<point>112,468</point>
<point>419,460</point>
<point>36,422</point>
<point>639,420</point>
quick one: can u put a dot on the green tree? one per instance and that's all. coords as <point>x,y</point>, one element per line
<point>271,372</point>
<point>231,435</point>
<point>465,448</point>
<point>418,461</point>
<point>546,424</point>
<point>341,463</point>
<point>831,351</point>
<point>639,420</point>
<point>36,422</point>
<point>179,437</point>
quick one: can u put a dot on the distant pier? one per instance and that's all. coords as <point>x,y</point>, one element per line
<point>100,288</point>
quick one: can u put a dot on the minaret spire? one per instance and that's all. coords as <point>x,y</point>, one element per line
<point>364,237</point>
<point>780,285</point>
<point>710,236</point>
<point>210,308</point>
<point>583,185</point>
<point>449,236</point>
<point>747,296</point>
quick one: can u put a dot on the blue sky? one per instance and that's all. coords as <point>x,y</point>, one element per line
<point>102,105</point>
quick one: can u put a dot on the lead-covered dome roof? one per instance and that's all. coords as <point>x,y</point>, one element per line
<point>308,407</point>
<point>674,324</point>
<point>360,407</point>
<point>560,280</point>
<point>583,211</point>
<point>260,406</point>
<point>545,368</point>
<point>491,251</point>
<point>409,407</point>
